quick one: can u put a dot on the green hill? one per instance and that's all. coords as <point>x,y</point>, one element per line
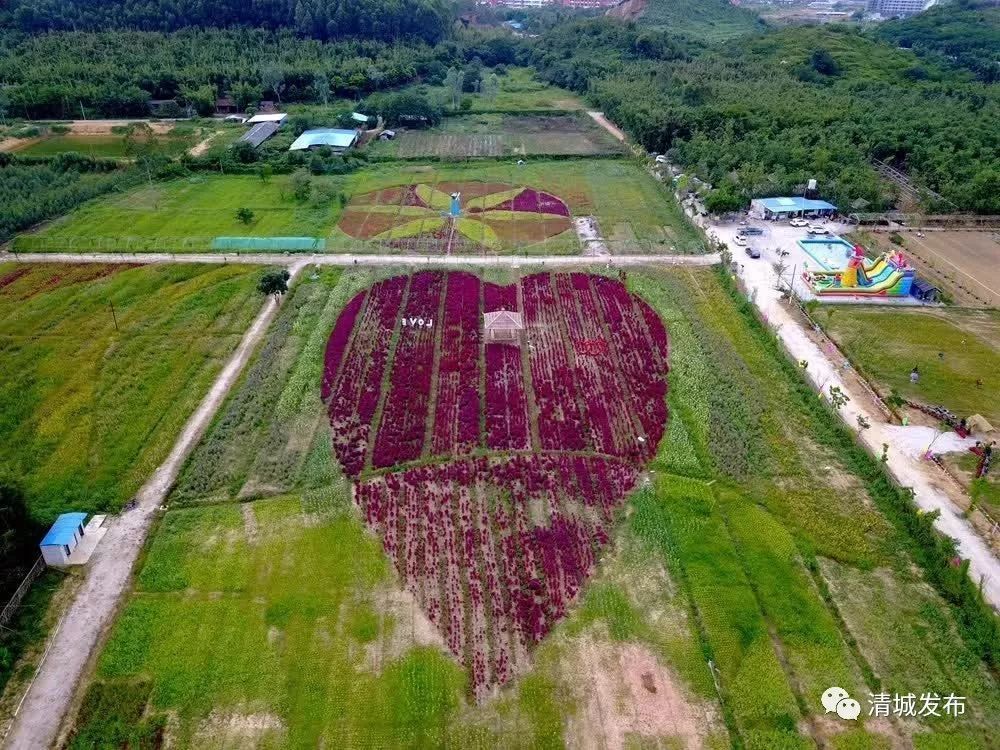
<point>708,20</point>
<point>965,34</point>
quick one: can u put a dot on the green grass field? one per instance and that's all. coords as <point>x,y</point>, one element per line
<point>886,344</point>
<point>635,213</point>
<point>87,411</point>
<point>109,146</point>
<point>264,615</point>
<point>520,91</point>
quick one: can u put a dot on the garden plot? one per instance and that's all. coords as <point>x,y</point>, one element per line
<point>93,397</point>
<point>491,135</point>
<point>314,616</point>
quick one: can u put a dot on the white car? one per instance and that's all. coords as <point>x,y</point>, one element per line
<point>740,240</point>
<point>818,230</point>
<point>799,223</point>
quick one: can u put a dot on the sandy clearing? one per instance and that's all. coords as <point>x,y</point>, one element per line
<point>104,127</point>
<point>109,575</point>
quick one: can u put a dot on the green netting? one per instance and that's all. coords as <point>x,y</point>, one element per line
<point>265,244</point>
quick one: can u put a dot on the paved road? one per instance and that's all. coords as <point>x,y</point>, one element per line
<point>330,259</point>
<point>48,700</point>
<point>904,463</point>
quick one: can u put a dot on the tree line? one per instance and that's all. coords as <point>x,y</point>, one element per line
<point>73,75</point>
<point>383,20</point>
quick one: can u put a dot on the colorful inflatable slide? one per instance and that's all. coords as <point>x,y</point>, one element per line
<point>888,276</point>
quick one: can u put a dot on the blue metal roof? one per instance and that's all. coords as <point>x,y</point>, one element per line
<point>63,529</point>
<point>324,137</point>
<point>784,205</point>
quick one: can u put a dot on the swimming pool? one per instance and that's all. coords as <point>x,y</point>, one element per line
<point>830,252</point>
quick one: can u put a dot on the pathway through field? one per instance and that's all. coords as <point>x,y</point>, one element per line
<point>108,577</point>
<point>324,259</point>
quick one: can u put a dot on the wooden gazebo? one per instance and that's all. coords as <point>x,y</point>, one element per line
<point>503,327</point>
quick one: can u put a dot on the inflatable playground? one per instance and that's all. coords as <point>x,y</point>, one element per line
<point>844,270</point>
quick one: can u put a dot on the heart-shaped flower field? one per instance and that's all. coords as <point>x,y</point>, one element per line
<point>492,471</point>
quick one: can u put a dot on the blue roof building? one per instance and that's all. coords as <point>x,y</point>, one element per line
<point>60,541</point>
<point>335,138</point>
<point>770,208</point>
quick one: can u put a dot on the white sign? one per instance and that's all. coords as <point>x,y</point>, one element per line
<point>417,322</point>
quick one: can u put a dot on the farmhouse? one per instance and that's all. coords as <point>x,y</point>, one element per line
<point>502,326</point>
<point>336,139</point>
<point>224,105</point>
<point>786,208</point>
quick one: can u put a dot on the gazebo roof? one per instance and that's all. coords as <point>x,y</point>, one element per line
<point>503,319</point>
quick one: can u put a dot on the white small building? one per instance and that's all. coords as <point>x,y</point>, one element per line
<point>278,117</point>
<point>63,538</point>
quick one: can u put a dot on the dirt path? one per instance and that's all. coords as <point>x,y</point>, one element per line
<point>605,123</point>
<point>906,466</point>
<point>202,146</point>
<point>88,619</point>
<point>323,259</point>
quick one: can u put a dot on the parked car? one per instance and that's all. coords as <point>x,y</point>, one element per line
<point>740,240</point>
<point>753,252</point>
<point>814,229</point>
<point>799,223</point>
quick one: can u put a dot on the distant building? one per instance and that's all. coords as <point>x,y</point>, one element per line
<point>224,105</point>
<point>552,3</point>
<point>898,8</point>
<point>336,139</point>
<point>786,208</point>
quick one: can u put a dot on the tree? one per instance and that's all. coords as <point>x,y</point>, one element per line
<point>244,215</point>
<point>822,62</point>
<point>453,86</point>
<point>321,85</point>
<point>273,79</point>
<point>274,282</point>
<point>244,94</point>
<point>489,86</point>
<point>243,152</point>
<point>265,172</point>
<point>201,99</point>
<point>4,104</point>
<point>301,186</point>
<point>139,139</point>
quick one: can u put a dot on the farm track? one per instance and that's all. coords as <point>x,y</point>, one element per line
<point>49,699</point>
<point>275,259</point>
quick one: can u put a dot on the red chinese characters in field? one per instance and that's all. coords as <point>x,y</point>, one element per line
<point>495,546</point>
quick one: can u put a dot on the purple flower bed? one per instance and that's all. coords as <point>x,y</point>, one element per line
<point>495,548</point>
<point>401,431</point>
<point>456,419</point>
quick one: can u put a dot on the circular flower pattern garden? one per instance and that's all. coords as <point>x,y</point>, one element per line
<point>493,215</point>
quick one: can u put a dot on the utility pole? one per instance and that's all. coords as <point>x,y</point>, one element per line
<point>113,316</point>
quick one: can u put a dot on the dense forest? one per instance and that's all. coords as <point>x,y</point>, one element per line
<point>384,20</point>
<point>965,34</point>
<point>781,107</point>
<point>116,73</point>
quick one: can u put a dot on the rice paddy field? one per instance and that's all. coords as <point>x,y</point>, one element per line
<point>496,135</point>
<point>742,560</point>
<point>633,212</point>
<point>952,347</point>
<point>89,408</point>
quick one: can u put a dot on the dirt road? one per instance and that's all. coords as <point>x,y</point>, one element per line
<point>47,702</point>
<point>605,123</point>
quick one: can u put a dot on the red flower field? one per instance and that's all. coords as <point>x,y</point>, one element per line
<point>492,471</point>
